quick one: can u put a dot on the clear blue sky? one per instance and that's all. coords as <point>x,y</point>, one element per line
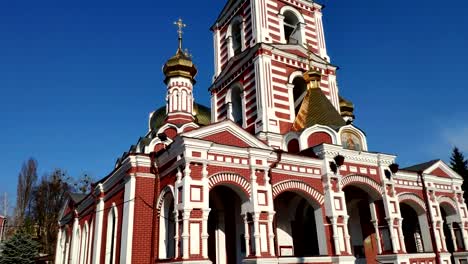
<point>79,78</point>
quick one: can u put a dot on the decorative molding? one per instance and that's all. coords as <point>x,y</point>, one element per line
<point>297,185</point>
<point>229,178</point>
<point>347,180</point>
<point>412,197</point>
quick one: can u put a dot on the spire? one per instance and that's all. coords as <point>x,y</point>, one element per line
<point>180,25</point>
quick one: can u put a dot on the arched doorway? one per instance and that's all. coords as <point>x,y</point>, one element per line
<point>451,228</point>
<point>364,209</point>
<point>226,241</point>
<point>411,229</point>
<point>299,225</point>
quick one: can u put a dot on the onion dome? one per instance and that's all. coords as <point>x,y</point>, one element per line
<point>346,109</point>
<point>180,65</point>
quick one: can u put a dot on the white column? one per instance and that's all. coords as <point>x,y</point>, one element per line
<point>281,28</point>
<point>127,222</point>
<point>375,222</point>
<point>75,242</point>
<point>271,234</point>
<point>452,234</point>
<point>336,237</point>
<point>206,210</point>
<point>256,219</point>
<point>348,237</point>
<point>401,235</point>
<point>176,236</point>
<point>185,233</point>
<point>98,227</point>
<point>247,236</point>
<point>58,249</point>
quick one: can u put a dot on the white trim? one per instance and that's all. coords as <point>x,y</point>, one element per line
<point>226,126</point>
<point>112,224</point>
<point>127,221</point>
<point>98,228</point>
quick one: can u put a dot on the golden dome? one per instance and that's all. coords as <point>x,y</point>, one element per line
<point>180,65</point>
<point>346,108</point>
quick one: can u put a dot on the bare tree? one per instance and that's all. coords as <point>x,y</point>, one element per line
<point>26,181</point>
<point>48,198</point>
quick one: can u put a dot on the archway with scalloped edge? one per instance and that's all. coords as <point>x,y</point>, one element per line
<point>230,178</point>
<point>449,201</point>
<point>373,188</point>
<point>292,185</point>
<point>413,200</point>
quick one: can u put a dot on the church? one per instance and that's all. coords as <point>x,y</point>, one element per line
<point>273,171</point>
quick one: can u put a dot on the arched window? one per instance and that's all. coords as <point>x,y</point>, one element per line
<point>167,228</point>
<point>299,92</point>
<point>292,28</point>
<point>235,105</point>
<point>84,244</point>
<point>235,37</point>
<point>236,32</point>
<point>111,239</point>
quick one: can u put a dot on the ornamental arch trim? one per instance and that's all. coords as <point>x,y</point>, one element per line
<point>353,179</point>
<point>449,201</point>
<point>168,189</point>
<point>292,185</point>
<point>231,178</point>
<point>415,199</point>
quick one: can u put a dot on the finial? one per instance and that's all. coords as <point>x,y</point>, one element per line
<point>180,25</point>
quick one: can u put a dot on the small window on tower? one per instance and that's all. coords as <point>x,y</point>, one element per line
<point>235,105</point>
<point>292,32</point>
<point>299,92</point>
<point>236,32</point>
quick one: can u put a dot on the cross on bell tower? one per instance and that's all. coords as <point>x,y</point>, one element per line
<point>180,25</point>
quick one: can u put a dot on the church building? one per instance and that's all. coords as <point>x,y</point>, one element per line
<point>273,171</point>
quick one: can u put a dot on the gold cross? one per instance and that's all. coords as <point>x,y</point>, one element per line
<point>180,25</point>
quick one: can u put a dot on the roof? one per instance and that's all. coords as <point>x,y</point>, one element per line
<point>422,166</point>
<point>77,197</point>
<point>316,109</point>
<point>202,116</point>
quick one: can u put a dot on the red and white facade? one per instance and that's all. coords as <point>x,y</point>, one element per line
<point>247,188</point>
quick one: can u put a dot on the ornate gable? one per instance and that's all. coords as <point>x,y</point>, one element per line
<point>441,169</point>
<point>226,133</point>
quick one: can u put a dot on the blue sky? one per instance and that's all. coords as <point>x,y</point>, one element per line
<point>78,79</point>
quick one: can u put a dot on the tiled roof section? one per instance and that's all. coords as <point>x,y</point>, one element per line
<point>77,197</point>
<point>422,166</point>
<point>316,109</point>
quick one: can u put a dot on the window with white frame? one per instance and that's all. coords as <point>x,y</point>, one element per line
<point>235,37</point>
<point>292,28</point>
<point>111,239</point>
<point>235,105</point>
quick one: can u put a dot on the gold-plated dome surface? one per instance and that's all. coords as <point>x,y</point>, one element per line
<point>180,65</point>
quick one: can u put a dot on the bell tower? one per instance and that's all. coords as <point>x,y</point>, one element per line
<point>262,48</point>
